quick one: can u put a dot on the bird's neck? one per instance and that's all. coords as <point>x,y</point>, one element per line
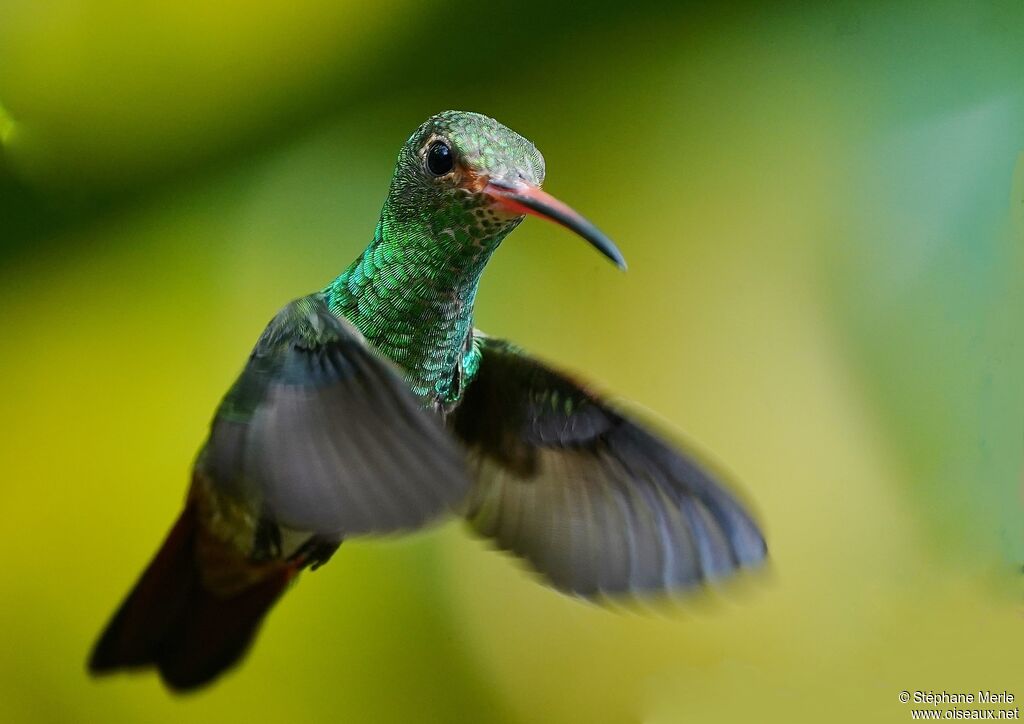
<point>411,295</point>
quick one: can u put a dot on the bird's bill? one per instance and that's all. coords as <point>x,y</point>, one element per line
<point>518,197</point>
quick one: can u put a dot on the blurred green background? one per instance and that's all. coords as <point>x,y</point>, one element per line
<point>823,211</point>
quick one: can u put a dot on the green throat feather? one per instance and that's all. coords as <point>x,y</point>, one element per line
<point>411,291</point>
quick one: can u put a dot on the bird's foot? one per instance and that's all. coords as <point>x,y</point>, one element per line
<point>314,552</point>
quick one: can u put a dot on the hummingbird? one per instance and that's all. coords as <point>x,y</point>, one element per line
<point>375,406</point>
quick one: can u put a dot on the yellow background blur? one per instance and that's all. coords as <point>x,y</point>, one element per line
<point>823,211</point>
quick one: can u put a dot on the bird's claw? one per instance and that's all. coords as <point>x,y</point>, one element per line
<point>314,553</point>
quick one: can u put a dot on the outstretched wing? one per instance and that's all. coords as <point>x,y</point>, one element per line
<point>592,500</point>
<point>322,435</point>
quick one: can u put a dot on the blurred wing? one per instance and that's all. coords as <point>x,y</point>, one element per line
<point>322,435</point>
<point>592,500</point>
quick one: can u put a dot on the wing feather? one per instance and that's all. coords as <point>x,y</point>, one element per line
<point>323,435</point>
<point>591,499</point>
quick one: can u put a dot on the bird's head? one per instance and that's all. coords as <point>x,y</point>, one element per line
<point>467,181</point>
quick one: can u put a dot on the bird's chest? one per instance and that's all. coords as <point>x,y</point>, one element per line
<point>434,352</point>
<point>439,377</point>
<point>427,333</point>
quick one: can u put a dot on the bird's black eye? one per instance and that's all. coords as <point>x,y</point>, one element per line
<point>439,158</point>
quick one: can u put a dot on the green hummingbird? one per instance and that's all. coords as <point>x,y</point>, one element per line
<point>375,406</point>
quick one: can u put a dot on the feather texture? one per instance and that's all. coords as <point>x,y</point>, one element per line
<point>325,436</point>
<point>594,501</point>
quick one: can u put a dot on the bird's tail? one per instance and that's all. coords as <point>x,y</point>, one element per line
<point>172,621</point>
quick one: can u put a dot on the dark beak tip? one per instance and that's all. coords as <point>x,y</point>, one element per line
<point>608,249</point>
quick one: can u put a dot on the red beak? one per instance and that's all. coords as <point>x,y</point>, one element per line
<point>519,197</point>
